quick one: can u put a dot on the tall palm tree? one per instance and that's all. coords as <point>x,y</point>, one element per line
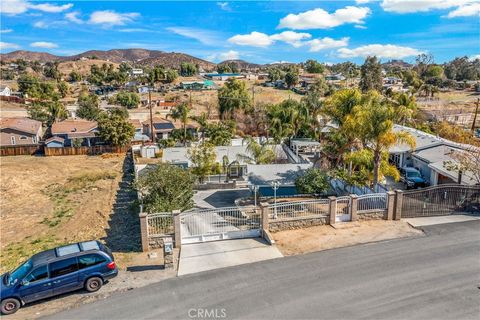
<point>258,153</point>
<point>56,112</point>
<point>182,113</point>
<point>202,120</point>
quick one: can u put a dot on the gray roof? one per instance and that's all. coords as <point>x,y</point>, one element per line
<point>285,174</point>
<point>422,139</point>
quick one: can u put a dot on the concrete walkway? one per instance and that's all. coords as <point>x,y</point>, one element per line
<point>220,254</point>
<point>429,221</point>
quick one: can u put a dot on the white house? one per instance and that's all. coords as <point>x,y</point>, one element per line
<point>5,91</point>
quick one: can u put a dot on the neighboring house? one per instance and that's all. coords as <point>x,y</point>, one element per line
<point>198,85</point>
<point>139,136</point>
<point>162,128</point>
<point>143,89</point>
<point>395,84</point>
<point>136,72</point>
<point>20,131</point>
<point>5,91</point>
<point>223,76</point>
<point>334,78</point>
<point>72,129</point>
<point>55,142</point>
<point>431,157</point>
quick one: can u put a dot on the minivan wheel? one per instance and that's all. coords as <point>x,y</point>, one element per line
<point>93,284</point>
<point>10,305</point>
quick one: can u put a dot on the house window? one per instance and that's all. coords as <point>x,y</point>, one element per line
<point>23,138</point>
<point>12,140</point>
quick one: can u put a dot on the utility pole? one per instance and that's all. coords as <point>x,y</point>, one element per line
<point>475,116</point>
<point>151,114</point>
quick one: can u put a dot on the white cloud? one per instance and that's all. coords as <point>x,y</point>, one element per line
<point>13,7</point>
<point>321,19</point>
<point>360,26</point>
<point>291,37</point>
<point>73,17</point>
<point>467,10</point>
<point>229,55</point>
<point>379,50</point>
<point>224,6</point>
<point>6,30</point>
<point>8,45</point>
<point>40,24</point>
<point>326,43</point>
<point>461,7</point>
<point>475,57</point>
<point>43,44</point>
<point>112,18</point>
<point>362,1</point>
<point>131,30</point>
<point>204,36</point>
<point>254,39</point>
<point>46,7</point>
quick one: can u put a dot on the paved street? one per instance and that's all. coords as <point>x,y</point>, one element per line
<point>431,277</point>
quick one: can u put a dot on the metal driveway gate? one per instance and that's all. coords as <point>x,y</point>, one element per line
<point>219,224</point>
<point>343,213</point>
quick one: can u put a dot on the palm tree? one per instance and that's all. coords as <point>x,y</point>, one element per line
<point>405,107</point>
<point>202,120</point>
<point>258,153</point>
<point>56,112</point>
<point>181,112</point>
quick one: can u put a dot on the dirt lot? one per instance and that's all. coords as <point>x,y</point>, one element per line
<point>319,238</point>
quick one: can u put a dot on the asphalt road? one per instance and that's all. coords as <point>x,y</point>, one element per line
<point>432,277</point>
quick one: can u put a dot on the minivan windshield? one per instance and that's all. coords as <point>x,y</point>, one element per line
<point>19,273</point>
<point>413,174</point>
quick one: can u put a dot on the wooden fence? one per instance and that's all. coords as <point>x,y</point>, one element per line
<point>91,151</point>
<point>20,150</point>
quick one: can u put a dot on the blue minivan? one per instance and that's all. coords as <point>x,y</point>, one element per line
<point>53,272</point>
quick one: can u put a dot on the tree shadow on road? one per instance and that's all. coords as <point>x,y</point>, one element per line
<point>123,233</point>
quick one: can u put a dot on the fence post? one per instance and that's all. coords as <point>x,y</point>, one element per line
<point>398,205</point>
<point>144,229</point>
<point>353,207</point>
<point>177,228</point>
<point>332,209</point>
<point>390,204</point>
<point>264,212</point>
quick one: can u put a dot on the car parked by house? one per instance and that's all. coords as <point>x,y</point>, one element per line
<point>56,271</point>
<point>412,178</point>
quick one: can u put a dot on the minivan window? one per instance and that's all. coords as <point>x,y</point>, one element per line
<point>89,260</point>
<point>63,267</point>
<point>39,273</point>
<point>20,272</point>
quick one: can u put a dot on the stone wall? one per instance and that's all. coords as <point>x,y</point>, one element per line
<point>379,215</point>
<point>275,226</point>
<point>155,242</point>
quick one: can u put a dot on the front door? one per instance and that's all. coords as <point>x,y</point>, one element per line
<point>64,276</point>
<point>36,285</point>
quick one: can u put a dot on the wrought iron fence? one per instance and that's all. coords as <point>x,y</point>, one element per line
<point>218,221</point>
<point>298,210</point>
<point>441,200</point>
<point>343,205</point>
<point>160,224</point>
<point>374,202</point>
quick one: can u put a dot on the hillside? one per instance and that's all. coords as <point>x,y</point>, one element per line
<point>141,56</point>
<point>242,65</point>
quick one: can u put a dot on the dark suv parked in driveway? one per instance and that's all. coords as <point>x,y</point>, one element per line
<point>53,272</point>
<point>412,178</point>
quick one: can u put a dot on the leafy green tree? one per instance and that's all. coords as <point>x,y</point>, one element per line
<point>115,129</point>
<point>166,188</point>
<point>171,75</point>
<point>203,159</point>
<point>182,113</point>
<point>32,87</point>
<point>313,66</point>
<point>463,68</point>
<point>422,63</point>
<point>313,181</point>
<point>233,96</point>
<point>47,112</point>
<point>275,74</point>
<point>220,134</point>
<point>224,68</point>
<point>434,71</point>
<point>187,69</point>
<point>291,78</point>
<point>157,74</point>
<point>88,106</point>
<point>257,153</point>
<point>127,99</point>
<point>371,75</point>
<point>75,76</point>
<point>50,70</point>
<point>63,88</point>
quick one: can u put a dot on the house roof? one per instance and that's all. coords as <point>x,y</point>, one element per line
<point>136,123</point>
<point>75,128</point>
<point>160,124</point>
<point>285,174</point>
<point>26,125</point>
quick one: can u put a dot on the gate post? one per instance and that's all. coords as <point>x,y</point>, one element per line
<point>332,209</point>
<point>176,226</point>
<point>398,205</point>
<point>264,213</point>
<point>390,204</point>
<point>143,229</point>
<point>353,207</point>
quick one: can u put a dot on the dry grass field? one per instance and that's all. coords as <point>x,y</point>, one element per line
<point>47,201</point>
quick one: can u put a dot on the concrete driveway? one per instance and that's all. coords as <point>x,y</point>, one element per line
<point>220,254</point>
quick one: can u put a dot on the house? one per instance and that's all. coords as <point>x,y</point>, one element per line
<point>431,157</point>
<point>223,76</point>
<point>143,89</point>
<point>136,72</point>
<point>197,85</point>
<point>393,83</point>
<point>162,128</point>
<point>5,91</point>
<point>335,78</point>
<point>55,142</point>
<point>72,130</point>
<point>139,136</point>
<point>20,131</point>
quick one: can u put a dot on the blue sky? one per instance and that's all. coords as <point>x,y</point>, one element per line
<point>256,31</point>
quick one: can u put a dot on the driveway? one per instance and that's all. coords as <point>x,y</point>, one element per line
<point>220,254</point>
<point>207,199</point>
<point>431,277</point>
